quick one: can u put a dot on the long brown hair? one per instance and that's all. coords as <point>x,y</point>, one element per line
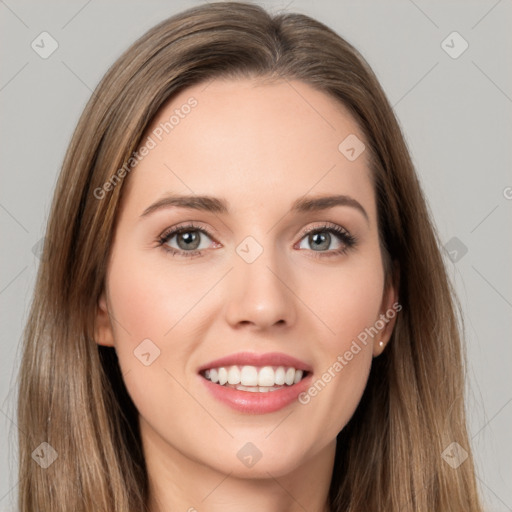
<point>72,395</point>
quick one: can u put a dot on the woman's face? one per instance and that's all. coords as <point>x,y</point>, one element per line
<point>262,278</point>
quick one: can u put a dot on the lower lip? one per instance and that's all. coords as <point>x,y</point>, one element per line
<point>257,402</point>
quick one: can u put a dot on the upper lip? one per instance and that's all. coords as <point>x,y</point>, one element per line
<point>254,359</point>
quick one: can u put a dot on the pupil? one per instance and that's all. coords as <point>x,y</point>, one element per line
<point>189,237</point>
<point>322,238</point>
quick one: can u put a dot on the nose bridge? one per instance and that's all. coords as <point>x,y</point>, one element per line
<point>257,290</point>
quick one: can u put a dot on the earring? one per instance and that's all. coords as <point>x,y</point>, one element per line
<point>381,343</point>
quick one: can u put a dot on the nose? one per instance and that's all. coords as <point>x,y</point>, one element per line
<point>260,294</point>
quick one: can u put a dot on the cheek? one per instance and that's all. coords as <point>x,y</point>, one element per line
<point>136,305</point>
<point>345,300</point>
<point>149,312</point>
<point>156,300</point>
<point>348,306</point>
<point>148,299</point>
<point>152,333</point>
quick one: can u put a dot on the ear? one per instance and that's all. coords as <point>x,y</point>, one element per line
<point>103,333</point>
<point>388,313</point>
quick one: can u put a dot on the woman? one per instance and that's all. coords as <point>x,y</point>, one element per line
<point>241,302</point>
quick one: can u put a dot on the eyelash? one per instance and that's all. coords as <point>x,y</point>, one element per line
<point>349,241</point>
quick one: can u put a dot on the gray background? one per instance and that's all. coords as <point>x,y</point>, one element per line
<point>455,112</point>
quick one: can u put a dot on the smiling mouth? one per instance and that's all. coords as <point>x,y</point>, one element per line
<point>255,379</point>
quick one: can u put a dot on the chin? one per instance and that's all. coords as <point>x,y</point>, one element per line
<point>247,460</point>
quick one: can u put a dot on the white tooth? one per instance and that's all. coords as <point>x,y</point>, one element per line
<point>279,376</point>
<point>223,376</point>
<point>234,375</point>
<point>264,389</point>
<point>266,376</point>
<point>298,376</point>
<point>207,374</point>
<point>249,376</point>
<point>290,375</point>
<point>214,375</point>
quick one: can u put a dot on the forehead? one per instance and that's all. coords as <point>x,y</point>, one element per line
<point>254,143</point>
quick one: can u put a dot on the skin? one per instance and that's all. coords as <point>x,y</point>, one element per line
<point>261,147</point>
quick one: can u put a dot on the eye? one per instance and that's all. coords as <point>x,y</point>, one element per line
<point>188,239</point>
<point>320,239</point>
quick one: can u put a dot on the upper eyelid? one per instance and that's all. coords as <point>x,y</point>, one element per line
<point>326,226</point>
<point>186,227</point>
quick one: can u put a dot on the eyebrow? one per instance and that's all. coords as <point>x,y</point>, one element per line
<point>220,206</point>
